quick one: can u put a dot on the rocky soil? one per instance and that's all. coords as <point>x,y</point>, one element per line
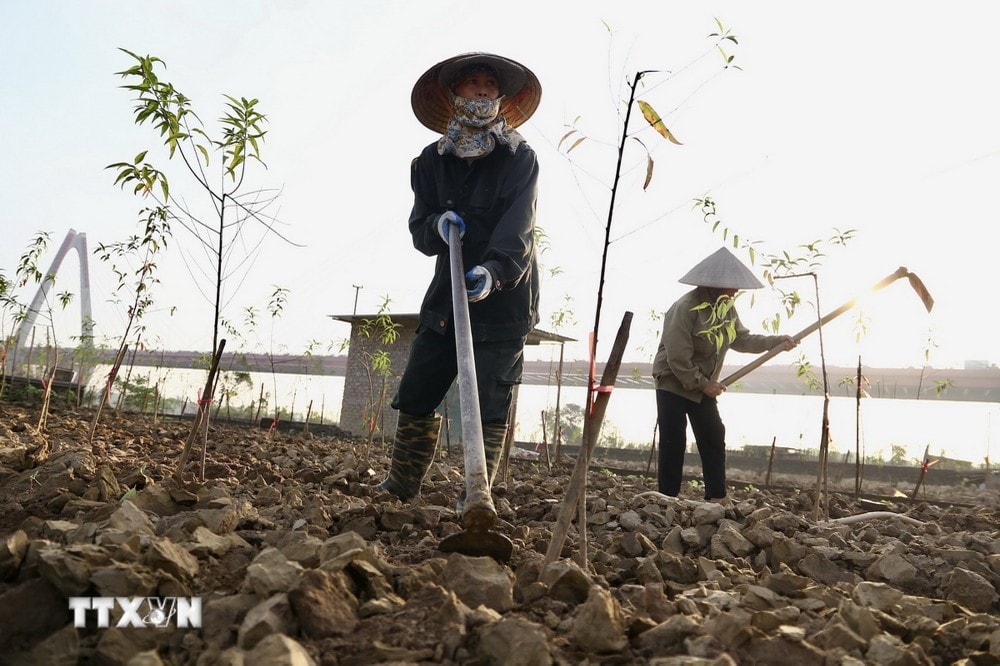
<point>297,562</point>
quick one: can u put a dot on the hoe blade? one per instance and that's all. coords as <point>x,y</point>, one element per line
<point>478,544</point>
<point>918,286</point>
<point>478,539</point>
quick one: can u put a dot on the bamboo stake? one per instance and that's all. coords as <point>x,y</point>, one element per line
<point>260,403</point>
<point>447,429</point>
<point>824,452</point>
<point>545,443</point>
<point>557,426</point>
<point>770,462</point>
<point>503,465</point>
<point>857,432</point>
<point>822,496</point>
<point>106,394</point>
<point>128,376</point>
<point>924,468</point>
<point>43,417</point>
<point>43,414</point>
<point>592,425</point>
<point>201,416</point>
<point>652,449</point>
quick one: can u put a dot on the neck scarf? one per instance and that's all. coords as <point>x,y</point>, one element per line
<point>475,128</point>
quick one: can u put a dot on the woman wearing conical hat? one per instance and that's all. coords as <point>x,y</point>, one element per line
<point>687,366</point>
<point>481,176</point>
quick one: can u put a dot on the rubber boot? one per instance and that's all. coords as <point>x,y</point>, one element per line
<point>412,453</point>
<point>494,436</point>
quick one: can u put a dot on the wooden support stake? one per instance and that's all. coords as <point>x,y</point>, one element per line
<point>201,417</point>
<point>503,465</point>
<point>545,443</point>
<point>924,467</point>
<point>770,463</point>
<point>107,391</point>
<point>592,427</point>
<point>858,392</point>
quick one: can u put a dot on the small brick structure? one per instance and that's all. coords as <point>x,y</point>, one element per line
<point>362,386</point>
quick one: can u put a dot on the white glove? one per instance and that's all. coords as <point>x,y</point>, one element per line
<point>478,283</point>
<point>453,218</point>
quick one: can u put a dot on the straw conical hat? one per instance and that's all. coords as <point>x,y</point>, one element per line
<point>519,86</point>
<point>722,270</point>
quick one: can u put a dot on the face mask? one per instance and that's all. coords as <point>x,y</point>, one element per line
<point>475,128</point>
<point>475,113</point>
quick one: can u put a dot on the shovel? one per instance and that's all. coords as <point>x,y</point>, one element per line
<point>479,515</point>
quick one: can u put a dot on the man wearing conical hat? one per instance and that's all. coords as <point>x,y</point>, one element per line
<point>688,361</point>
<point>480,176</point>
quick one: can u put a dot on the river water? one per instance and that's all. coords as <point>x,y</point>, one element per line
<point>959,430</point>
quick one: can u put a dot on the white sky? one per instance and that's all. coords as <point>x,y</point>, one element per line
<point>879,117</point>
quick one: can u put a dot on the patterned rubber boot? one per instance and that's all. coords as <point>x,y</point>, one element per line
<point>412,453</point>
<point>494,436</point>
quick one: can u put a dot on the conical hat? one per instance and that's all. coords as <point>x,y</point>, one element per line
<point>519,86</point>
<point>722,270</point>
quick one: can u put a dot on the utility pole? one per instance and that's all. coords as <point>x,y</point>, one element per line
<point>357,288</point>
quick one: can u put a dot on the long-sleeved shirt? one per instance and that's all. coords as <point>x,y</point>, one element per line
<point>495,195</point>
<point>687,360</point>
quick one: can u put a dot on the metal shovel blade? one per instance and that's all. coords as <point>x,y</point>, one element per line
<point>479,516</point>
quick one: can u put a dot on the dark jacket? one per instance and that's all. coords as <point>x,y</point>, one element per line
<point>495,195</point>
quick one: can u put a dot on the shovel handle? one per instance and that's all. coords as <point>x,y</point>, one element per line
<point>476,481</point>
<point>768,355</point>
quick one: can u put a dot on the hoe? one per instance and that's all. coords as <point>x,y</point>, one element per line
<point>915,282</point>
<point>479,515</point>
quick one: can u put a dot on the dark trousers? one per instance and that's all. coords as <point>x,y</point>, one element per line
<point>433,367</point>
<point>672,415</point>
